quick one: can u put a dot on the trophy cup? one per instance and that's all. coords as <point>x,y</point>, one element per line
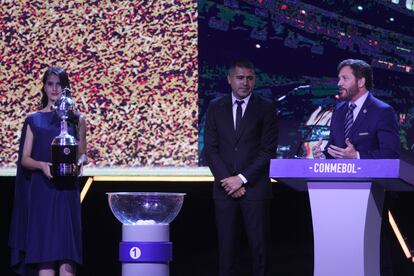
<point>64,147</point>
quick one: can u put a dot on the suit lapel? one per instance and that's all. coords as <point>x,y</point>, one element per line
<point>227,116</point>
<point>361,115</point>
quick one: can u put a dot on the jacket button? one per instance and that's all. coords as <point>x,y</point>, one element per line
<point>235,149</point>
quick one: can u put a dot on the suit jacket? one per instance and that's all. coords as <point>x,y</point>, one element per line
<point>248,151</point>
<point>374,132</point>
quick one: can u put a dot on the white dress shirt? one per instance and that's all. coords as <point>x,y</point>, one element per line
<point>244,105</point>
<point>234,104</point>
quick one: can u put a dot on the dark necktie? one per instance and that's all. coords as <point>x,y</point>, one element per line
<point>349,119</point>
<point>239,113</point>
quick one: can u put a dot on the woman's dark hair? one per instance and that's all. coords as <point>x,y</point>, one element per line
<point>63,78</point>
<point>64,82</point>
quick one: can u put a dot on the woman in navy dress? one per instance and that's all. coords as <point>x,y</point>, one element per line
<point>45,233</point>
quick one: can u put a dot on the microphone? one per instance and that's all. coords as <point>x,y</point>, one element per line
<point>302,88</point>
<point>329,102</point>
<point>281,98</point>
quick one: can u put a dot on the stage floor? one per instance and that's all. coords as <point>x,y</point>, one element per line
<point>193,231</point>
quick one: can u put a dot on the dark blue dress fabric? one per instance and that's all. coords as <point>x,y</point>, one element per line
<point>46,218</point>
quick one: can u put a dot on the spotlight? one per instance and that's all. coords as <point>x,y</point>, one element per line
<point>258,46</point>
<point>392,19</point>
<point>360,8</point>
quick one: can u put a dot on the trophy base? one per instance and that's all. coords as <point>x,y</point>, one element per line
<point>65,170</point>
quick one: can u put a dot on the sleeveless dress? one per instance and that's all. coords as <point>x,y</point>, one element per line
<point>46,218</point>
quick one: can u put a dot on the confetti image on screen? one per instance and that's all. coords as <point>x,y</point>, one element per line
<point>132,67</point>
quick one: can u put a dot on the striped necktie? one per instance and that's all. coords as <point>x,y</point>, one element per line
<point>349,119</point>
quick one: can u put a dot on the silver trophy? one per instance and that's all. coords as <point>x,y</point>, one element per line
<point>64,146</point>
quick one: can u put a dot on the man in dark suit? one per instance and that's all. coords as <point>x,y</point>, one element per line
<point>240,139</point>
<point>362,126</point>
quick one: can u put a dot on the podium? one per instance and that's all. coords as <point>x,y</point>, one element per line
<point>346,198</point>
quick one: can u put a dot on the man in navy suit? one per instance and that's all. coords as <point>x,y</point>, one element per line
<point>362,126</point>
<point>240,140</point>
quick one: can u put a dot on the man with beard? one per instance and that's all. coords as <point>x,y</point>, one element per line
<point>362,126</point>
